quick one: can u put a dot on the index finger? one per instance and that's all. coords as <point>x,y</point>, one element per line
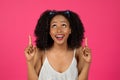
<point>30,40</point>
<point>86,41</point>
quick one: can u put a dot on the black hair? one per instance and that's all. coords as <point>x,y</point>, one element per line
<point>43,38</point>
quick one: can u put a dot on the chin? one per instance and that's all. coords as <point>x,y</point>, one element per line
<point>60,42</point>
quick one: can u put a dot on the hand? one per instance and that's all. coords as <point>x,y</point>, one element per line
<point>30,50</point>
<point>86,54</point>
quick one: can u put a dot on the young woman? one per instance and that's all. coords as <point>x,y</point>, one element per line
<point>58,54</point>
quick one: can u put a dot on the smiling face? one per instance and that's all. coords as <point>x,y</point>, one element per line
<point>60,29</point>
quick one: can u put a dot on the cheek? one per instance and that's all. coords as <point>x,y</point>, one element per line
<point>52,32</point>
<point>67,31</point>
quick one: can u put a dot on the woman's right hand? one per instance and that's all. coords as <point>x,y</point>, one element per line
<point>30,51</point>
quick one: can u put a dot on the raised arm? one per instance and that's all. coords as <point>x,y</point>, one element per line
<point>84,61</point>
<point>32,58</point>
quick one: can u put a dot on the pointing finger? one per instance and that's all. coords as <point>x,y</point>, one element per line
<point>30,40</point>
<point>86,41</point>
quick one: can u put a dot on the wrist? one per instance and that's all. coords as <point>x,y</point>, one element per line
<point>88,61</point>
<point>87,64</point>
<point>29,63</point>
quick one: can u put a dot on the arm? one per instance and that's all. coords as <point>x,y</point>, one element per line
<point>84,72</point>
<point>34,66</point>
<point>84,59</point>
<point>32,74</point>
<point>33,60</point>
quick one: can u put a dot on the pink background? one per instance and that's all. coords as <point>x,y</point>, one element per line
<point>101,19</point>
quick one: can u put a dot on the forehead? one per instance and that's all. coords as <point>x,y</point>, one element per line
<point>59,18</point>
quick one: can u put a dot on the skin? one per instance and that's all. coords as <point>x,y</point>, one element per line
<point>60,26</point>
<point>59,54</point>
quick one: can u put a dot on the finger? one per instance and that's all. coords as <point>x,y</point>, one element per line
<point>34,51</point>
<point>86,41</point>
<point>83,48</point>
<point>86,51</point>
<point>30,40</point>
<point>30,50</point>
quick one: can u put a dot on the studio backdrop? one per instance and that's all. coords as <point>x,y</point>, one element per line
<point>101,19</point>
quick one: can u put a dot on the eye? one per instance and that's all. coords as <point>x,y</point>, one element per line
<point>53,26</point>
<point>64,25</point>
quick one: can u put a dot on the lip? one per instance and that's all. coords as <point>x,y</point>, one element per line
<point>59,36</point>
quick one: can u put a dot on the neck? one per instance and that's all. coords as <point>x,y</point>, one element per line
<point>61,48</point>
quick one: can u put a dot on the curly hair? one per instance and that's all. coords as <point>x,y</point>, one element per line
<point>43,38</point>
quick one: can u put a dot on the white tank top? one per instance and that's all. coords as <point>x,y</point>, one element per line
<point>48,73</point>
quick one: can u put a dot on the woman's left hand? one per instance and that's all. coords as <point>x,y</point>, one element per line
<point>86,52</point>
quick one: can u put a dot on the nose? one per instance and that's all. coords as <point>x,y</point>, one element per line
<point>59,30</point>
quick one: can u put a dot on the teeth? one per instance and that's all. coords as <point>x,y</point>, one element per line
<point>59,36</point>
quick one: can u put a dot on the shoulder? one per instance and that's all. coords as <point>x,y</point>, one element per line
<point>80,61</point>
<point>38,59</point>
<point>79,52</point>
<point>78,55</point>
<point>40,54</point>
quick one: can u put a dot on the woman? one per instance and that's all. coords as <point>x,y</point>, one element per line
<point>58,54</point>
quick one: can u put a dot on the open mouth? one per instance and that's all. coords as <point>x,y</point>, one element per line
<point>59,36</point>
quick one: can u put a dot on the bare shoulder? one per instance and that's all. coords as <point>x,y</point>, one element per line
<point>79,58</point>
<point>79,52</point>
<point>39,53</point>
<point>39,57</point>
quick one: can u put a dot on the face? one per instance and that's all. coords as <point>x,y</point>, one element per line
<point>60,29</point>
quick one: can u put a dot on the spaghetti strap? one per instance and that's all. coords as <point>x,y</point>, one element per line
<point>74,52</point>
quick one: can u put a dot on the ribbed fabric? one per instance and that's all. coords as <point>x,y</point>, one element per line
<point>48,73</point>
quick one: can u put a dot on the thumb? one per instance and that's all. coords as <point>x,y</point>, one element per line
<point>34,51</point>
